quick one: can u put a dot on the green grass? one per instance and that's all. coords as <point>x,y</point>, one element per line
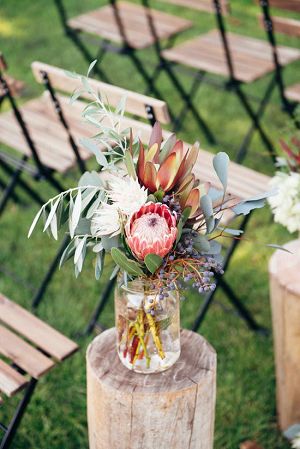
<point>56,418</point>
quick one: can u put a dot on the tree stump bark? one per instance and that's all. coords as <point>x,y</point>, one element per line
<point>174,409</point>
<point>284,269</point>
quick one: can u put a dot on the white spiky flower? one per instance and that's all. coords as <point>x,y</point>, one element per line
<point>286,203</point>
<point>106,221</point>
<point>126,194</point>
<point>127,197</point>
<point>296,442</point>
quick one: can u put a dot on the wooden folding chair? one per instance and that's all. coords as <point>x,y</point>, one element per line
<point>242,60</point>
<point>30,348</point>
<point>123,28</point>
<point>290,97</point>
<point>201,5</point>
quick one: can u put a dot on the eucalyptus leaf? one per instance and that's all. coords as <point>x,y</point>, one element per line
<point>83,227</point>
<point>207,209</point>
<point>282,248</point>
<point>68,253</point>
<point>130,266</point>
<point>220,163</point>
<point>99,264</point>
<point>76,213</point>
<point>98,247</point>
<point>153,262</point>
<point>114,272</point>
<point>91,66</point>
<point>91,146</point>
<point>234,232</point>
<point>53,226</point>
<point>79,249</point>
<point>129,164</point>
<point>35,221</point>
<point>90,178</point>
<point>245,207</point>
<point>201,244</point>
<point>51,214</point>
<point>94,206</point>
<point>110,242</point>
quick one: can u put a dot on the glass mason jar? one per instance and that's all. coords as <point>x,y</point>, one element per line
<point>148,329</point>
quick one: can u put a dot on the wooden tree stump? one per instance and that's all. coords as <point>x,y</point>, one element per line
<point>174,409</point>
<point>284,269</point>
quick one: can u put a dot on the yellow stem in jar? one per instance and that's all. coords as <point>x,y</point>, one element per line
<point>140,330</point>
<point>155,336</point>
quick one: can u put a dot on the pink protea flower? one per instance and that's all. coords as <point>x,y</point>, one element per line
<point>151,230</point>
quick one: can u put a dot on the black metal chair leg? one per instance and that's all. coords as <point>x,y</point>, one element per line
<point>242,310</point>
<point>47,278</point>
<point>246,142</point>
<point>14,196</point>
<point>97,312</point>
<point>256,123</point>
<point>9,190</point>
<point>15,422</point>
<point>190,105</point>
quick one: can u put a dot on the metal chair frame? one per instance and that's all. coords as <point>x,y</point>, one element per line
<point>11,429</point>
<point>231,85</point>
<point>287,105</point>
<point>126,50</point>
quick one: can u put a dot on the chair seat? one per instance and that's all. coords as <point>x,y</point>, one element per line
<point>252,58</point>
<point>29,344</point>
<point>135,27</point>
<point>201,5</point>
<point>293,92</point>
<point>15,86</point>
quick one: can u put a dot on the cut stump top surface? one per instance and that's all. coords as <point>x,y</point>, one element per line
<point>285,267</point>
<point>198,360</point>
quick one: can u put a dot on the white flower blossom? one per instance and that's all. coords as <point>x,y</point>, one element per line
<point>106,221</point>
<point>126,194</point>
<point>296,442</point>
<point>127,197</point>
<point>286,204</point>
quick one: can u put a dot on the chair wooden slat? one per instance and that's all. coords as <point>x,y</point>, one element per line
<point>35,330</point>
<point>293,92</point>
<point>135,103</point>
<point>135,21</point>
<point>252,58</point>
<point>23,354</point>
<point>288,5</point>
<point>10,380</point>
<point>284,25</point>
<point>201,5</point>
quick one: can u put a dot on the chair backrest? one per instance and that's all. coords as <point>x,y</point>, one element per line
<point>288,5</point>
<point>284,25</point>
<point>136,104</point>
<point>201,5</point>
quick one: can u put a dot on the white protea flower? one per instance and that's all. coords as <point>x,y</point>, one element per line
<point>286,204</point>
<point>127,197</point>
<point>126,194</point>
<point>106,221</point>
<point>296,442</point>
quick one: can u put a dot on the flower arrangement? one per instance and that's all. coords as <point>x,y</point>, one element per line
<point>159,224</point>
<point>286,203</point>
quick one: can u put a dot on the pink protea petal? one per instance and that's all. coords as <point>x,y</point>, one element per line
<point>151,230</point>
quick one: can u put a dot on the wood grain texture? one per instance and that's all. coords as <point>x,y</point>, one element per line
<point>174,409</point>
<point>293,92</point>
<point>288,5</point>
<point>284,269</point>
<point>35,330</point>
<point>130,24</point>
<point>252,58</point>
<point>23,354</point>
<point>135,102</point>
<point>201,5</point>
<point>10,380</point>
<point>284,25</point>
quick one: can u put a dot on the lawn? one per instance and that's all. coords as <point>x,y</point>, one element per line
<point>56,418</point>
